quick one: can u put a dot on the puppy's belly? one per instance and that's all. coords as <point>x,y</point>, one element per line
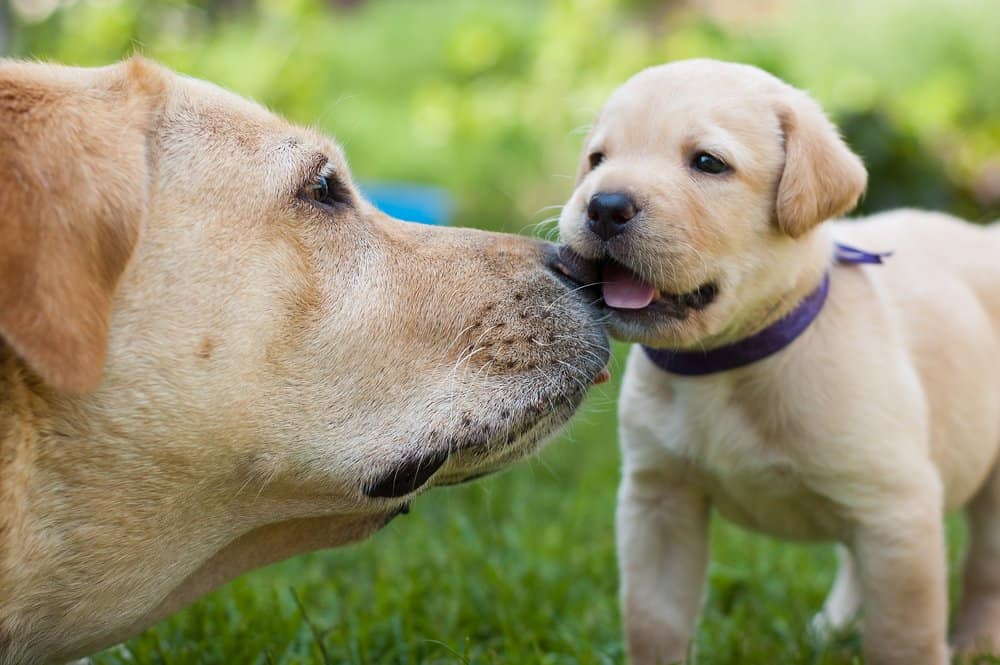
<point>776,503</point>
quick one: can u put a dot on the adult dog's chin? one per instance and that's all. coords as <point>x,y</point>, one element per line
<point>483,460</point>
<point>514,423</point>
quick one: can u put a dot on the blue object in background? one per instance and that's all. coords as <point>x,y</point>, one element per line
<point>413,203</point>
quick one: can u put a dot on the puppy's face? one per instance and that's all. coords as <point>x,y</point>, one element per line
<point>695,186</point>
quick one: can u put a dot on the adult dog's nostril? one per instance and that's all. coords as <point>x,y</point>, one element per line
<point>609,213</point>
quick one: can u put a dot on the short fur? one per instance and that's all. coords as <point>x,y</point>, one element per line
<point>883,415</point>
<point>203,371</point>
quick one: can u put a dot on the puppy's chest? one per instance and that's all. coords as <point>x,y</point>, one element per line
<point>752,479</point>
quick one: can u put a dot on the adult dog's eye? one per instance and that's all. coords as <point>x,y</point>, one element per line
<point>326,189</point>
<point>708,163</point>
<point>320,189</point>
<point>595,159</point>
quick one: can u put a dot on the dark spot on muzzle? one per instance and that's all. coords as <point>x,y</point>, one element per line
<point>408,476</point>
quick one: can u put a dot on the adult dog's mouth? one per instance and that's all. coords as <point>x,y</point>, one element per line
<point>538,358</point>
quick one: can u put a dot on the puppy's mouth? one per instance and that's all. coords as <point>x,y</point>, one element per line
<point>627,293</point>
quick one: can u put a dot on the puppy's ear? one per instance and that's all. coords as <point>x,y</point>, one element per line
<point>822,178</point>
<point>73,187</point>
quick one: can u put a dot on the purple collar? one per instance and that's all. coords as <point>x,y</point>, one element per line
<point>768,341</point>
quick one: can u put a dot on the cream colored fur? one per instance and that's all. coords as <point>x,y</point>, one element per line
<point>881,417</point>
<point>203,371</point>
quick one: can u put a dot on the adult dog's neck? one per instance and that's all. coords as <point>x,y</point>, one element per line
<point>67,507</point>
<point>21,416</point>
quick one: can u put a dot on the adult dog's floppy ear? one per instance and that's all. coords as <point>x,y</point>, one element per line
<point>822,178</point>
<point>74,182</point>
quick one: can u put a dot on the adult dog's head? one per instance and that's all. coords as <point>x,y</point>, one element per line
<point>698,189</point>
<point>215,353</point>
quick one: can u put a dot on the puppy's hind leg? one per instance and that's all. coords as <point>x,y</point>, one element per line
<point>978,626</point>
<point>844,600</point>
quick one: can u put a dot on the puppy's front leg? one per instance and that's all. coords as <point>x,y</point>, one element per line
<point>901,554</point>
<point>662,552</point>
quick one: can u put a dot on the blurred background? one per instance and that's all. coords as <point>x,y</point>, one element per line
<point>489,101</point>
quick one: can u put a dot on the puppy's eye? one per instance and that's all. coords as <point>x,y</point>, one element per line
<point>596,158</point>
<point>708,163</point>
<point>327,190</point>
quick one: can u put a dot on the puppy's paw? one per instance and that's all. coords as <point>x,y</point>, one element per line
<point>970,646</point>
<point>977,630</point>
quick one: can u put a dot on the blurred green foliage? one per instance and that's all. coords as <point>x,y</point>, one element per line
<point>490,99</point>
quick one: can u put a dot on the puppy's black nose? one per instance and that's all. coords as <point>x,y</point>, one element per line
<point>608,214</point>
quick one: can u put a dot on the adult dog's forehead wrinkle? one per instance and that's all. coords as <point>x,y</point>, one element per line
<point>24,100</point>
<point>296,158</point>
<point>263,151</point>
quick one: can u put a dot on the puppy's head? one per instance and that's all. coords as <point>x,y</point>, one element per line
<point>697,188</point>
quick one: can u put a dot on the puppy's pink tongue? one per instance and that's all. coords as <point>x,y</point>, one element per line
<point>624,290</point>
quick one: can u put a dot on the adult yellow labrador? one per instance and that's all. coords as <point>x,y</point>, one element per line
<point>215,354</point>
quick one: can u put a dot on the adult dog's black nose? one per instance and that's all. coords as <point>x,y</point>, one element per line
<point>608,214</point>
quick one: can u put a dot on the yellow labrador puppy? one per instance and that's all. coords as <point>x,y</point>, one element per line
<point>214,354</point>
<point>803,388</point>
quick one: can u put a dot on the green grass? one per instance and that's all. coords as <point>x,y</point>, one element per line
<point>519,568</point>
